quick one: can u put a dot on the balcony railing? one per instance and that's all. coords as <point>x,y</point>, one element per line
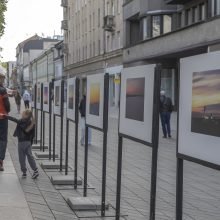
<point>64,3</point>
<point>64,25</point>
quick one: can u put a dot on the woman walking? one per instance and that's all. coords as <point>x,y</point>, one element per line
<point>17,97</point>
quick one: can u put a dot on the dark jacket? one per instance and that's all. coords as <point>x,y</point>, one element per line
<point>82,107</point>
<point>4,101</point>
<point>166,104</point>
<point>25,129</point>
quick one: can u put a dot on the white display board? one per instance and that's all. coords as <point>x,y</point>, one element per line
<point>38,98</point>
<point>71,98</point>
<point>136,104</point>
<point>199,108</point>
<point>46,97</point>
<point>57,97</point>
<point>95,100</point>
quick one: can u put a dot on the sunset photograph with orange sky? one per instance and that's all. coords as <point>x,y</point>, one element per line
<point>94,99</point>
<point>206,103</point>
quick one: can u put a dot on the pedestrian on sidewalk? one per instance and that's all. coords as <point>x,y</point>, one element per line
<point>166,108</point>
<point>4,110</point>
<point>25,132</point>
<point>26,98</point>
<point>17,97</point>
<point>82,110</point>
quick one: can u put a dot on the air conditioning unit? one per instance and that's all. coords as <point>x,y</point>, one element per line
<point>109,23</point>
<point>64,25</point>
<point>64,3</point>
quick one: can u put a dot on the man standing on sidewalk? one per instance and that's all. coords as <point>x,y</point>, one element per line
<point>4,109</point>
<point>166,108</point>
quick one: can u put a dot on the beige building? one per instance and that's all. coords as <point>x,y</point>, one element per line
<point>93,40</point>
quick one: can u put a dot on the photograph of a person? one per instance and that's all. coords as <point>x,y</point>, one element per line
<point>94,99</point>
<point>57,96</point>
<point>46,95</point>
<point>206,103</point>
<point>38,95</point>
<point>135,89</point>
<point>71,97</point>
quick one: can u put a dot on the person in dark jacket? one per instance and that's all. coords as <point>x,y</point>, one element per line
<point>17,97</point>
<point>166,108</point>
<point>4,110</point>
<point>25,131</point>
<point>82,110</point>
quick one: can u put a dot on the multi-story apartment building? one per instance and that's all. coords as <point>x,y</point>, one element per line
<point>93,40</point>
<point>26,52</point>
<point>163,31</point>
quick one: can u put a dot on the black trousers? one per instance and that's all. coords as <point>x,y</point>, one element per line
<point>3,137</point>
<point>26,104</point>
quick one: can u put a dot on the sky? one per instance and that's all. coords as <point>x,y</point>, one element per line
<point>206,87</point>
<point>25,18</point>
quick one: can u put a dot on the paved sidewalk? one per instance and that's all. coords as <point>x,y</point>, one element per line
<point>13,205</point>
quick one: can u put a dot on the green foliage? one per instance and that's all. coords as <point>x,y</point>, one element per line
<point>3,8</point>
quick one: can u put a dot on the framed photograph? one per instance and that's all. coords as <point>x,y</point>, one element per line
<point>38,96</point>
<point>71,89</point>
<point>46,97</point>
<point>136,104</point>
<point>95,100</point>
<point>57,97</point>
<point>199,108</point>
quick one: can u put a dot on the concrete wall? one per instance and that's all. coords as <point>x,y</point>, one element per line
<point>174,41</point>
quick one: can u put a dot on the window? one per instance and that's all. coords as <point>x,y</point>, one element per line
<point>202,12</point>
<point>156,26</point>
<point>194,14</point>
<point>187,17</point>
<point>119,39</point>
<point>215,7</point>
<point>99,17</point>
<point>179,17</point>
<point>145,28</point>
<point>167,22</point>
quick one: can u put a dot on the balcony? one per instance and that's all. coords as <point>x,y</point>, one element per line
<point>64,3</point>
<point>64,25</point>
<point>109,23</point>
<point>177,2</point>
<point>65,48</point>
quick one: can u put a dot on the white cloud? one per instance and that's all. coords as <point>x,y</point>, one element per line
<point>24,18</point>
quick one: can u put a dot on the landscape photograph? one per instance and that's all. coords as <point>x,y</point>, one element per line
<point>46,95</point>
<point>135,90</point>
<point>206,103</point>
<point>71,97</point>
<point>94,99</point>
<point>57,95</point>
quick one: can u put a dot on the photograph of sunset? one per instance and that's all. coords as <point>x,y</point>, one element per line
<point>46,96</point>
<point>206,103</point>
<point>71,97</point>
<point>94,99</point>
<point>135,99</point>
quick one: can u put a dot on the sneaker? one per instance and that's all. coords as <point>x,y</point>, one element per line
<point>169,136</point>
<point>164,136</point>
<point>24,175</point>
<point>35,174</point>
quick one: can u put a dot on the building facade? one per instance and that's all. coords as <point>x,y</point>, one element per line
<point>11,66</point>
<point>93,40</point>
<point>26,52</point>
<point>163,31</point>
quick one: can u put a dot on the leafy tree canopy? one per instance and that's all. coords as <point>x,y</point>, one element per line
<point>3,8</point>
